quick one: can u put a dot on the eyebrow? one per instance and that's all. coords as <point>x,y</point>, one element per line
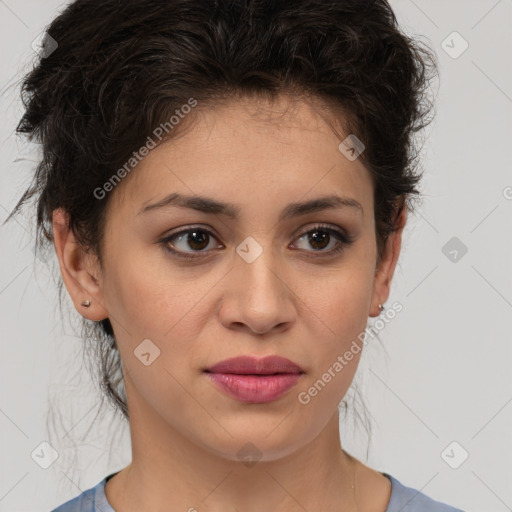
<point>212,206</point>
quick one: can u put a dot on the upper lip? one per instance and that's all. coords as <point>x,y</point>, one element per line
<point>248,365</point>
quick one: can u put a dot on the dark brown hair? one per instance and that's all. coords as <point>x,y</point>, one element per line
<point>122,68</point>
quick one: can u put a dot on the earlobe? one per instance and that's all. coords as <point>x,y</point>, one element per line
<point>386,267</point>
<point>80,270</point>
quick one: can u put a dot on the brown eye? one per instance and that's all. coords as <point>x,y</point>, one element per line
<point>321,238</point>
<point>189,241</point>
<point>197,240</point>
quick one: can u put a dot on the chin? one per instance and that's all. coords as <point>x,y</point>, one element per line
<point>250,445</point>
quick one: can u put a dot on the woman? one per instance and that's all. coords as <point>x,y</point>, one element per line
<point>226,186</point>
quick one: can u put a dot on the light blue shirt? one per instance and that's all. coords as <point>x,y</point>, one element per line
<point>403,499</point>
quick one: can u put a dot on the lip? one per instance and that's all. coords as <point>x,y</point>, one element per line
<point>248,365</point>
<point>255,380</point>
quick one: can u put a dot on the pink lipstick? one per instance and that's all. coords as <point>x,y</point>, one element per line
<point>255,380</point>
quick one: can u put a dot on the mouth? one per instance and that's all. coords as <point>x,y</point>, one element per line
<point>252,380</point>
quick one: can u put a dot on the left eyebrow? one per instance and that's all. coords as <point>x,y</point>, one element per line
<point>212,206</point>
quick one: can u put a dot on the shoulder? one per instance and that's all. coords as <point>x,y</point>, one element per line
<point>91,500</point>
<point>403,499</point>
<point>407,499</point>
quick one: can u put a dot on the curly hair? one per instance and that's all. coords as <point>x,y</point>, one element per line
<point>122,68</point>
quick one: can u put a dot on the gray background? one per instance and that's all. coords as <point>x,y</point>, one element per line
<point>448,374</point>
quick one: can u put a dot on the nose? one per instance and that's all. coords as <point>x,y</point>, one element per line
<point>258,296</point>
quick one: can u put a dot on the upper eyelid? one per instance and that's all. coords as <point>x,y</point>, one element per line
<point>299,232</point>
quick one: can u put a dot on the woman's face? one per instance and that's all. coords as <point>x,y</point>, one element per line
<point>262,283</point>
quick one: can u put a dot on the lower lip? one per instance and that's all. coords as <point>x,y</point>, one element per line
<point>256,389</point>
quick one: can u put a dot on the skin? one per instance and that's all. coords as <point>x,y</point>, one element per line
<point>290,301</point>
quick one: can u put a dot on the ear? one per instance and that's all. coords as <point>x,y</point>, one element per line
<point>80,271</point>
<point>386,267</point>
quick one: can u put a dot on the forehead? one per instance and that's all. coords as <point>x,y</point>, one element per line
<point>251,150</point>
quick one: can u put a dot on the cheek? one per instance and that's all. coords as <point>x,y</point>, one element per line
<point>148,298</point>
<point>341,308</point>
<point>170,308</point>
<point>149,302</point>
<point>335,361</point>
<point>341,297</point>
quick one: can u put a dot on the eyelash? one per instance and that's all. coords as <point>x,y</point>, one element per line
<point>344,240</point>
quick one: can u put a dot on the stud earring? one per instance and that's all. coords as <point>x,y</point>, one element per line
<point>86,303</point>
<point>381,308</point>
